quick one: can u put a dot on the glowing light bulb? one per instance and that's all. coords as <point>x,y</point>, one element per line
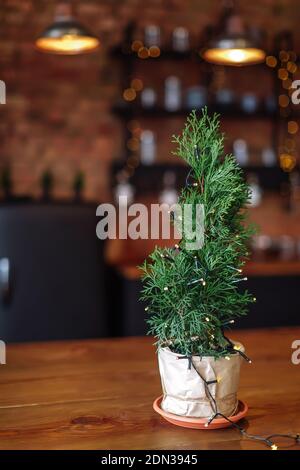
<point>146,309</point>
<point>206,318</point>
<point>236,55</point>
<point>236,347</point>
<point>166,288</point>
<point>227,358</point>
<point>274,447</point>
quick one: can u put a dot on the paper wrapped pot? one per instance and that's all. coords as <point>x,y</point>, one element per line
<point>184,391</point>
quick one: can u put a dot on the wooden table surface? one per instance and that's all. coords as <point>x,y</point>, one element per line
<point>98,394</point>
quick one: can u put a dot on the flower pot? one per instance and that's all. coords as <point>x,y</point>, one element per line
<point>185,392</point>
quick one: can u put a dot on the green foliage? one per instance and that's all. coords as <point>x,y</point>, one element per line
<point>193,295</point>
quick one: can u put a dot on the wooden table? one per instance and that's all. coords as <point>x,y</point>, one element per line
<point>98,394</point>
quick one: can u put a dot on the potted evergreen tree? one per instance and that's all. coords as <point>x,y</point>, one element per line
<point>193,295</point>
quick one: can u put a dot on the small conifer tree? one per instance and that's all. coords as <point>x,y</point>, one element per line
<point>192,295</point>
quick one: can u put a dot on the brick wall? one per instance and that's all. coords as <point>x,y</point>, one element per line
<point>57,114</point>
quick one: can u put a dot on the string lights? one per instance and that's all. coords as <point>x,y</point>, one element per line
<point>266,440</point>
<point>144,52</point>
<point>286,68</point>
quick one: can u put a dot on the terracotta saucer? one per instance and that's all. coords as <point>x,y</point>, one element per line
<point>199,423</point>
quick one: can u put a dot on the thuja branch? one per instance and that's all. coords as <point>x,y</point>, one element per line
<point>191,295</point>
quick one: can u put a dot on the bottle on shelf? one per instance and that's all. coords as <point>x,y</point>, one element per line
<point>173,96</point>
<point>180,39</point>
<point>196,97</point>
<point>124,189</point>
<point>169,194</point>
<point>225,97</point>
<point>249,103</point>
<point>152,35</point>
<point>268,157</point>
<point>147,147</point>
<point>240,151</point>
<point>287,246</point>
<point>255,191</point>
<point>148,98</point>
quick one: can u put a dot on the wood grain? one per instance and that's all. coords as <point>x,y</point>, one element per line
<point>98,394</point>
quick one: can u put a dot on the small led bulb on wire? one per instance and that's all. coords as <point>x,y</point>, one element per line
<point>227,358</point>
<point>146,309</point>
<point>274,447</point>
<point>166,288</point>
<point>206,318</point>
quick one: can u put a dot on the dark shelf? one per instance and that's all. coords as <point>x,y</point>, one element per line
<point>231,111</point>
<point>166,54</point>
<point>125,53</point>
<point>149,178</point>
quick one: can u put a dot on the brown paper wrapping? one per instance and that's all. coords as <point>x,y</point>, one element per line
<point>184,391</point>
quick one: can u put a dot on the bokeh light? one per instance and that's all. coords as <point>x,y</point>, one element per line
<point>143,53</point>
<point>129,94</point>
<point>291,67</point>
<point>154,51</point>
<point>283,74</point>
<point>287,162</point>
<point>283,101</point>
<point>136,84</point>
<point>290,144</point>
<point>292,127</point>
<point>284,56</point>
<point>133,144</point>
<point>136,45</point>
<point>271,61</point>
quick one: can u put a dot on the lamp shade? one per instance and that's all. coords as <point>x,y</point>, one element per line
<point>232,44</point>
<point>66,35</point>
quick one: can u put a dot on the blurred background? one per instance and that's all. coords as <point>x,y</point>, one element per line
<point>91,94</point>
